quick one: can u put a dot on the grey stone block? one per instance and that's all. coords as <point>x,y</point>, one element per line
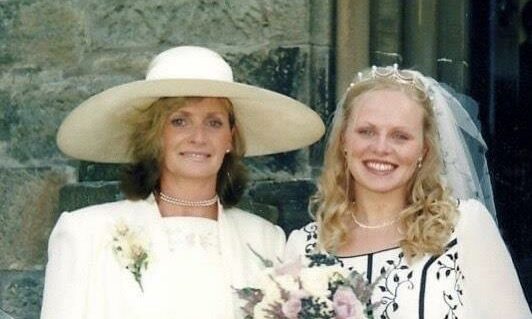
<point>90,171</point>
<point>21,293</point>
<point>322,22</point>
<point>4,315</point>
<point>322,94</point>
<point>113,25</point>
<point>290,197</point>
<point>7,115</point>
<point>75,196</point>
<point>281,69</point>
<point>36,105</point>
<point>277,166</point>
<point>386,32</point>
<point>7,11</point>
<point>46,33</point>
<point>27,213</point>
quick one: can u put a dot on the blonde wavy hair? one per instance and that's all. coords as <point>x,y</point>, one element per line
<point>431,214</point>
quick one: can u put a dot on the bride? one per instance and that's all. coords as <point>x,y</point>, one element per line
<point>387,208</point>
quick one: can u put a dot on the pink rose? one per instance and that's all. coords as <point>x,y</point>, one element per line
<point>346,304</point>
<point>292,306</point>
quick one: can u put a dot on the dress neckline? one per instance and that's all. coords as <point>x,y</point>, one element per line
<point>370,253</point>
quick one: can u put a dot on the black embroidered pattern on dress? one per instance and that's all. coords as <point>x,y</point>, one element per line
<point>311,231</point>
<point>448,268</point>
<point>317,260</point>
<point>397,275</point>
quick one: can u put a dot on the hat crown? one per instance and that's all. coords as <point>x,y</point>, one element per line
<point>189,62</point>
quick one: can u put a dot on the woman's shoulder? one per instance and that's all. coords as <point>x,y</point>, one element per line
<point>473,215</point>
<point>247,219</point>
<point>473,210</point>
<point>309,232</point>
<point>267,239</point>
<point>95,216</point>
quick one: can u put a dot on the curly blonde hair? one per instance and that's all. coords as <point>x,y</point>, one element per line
<point>430,215</point>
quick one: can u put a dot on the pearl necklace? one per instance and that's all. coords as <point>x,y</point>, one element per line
<point>366,226</point>
<point>188,203</point>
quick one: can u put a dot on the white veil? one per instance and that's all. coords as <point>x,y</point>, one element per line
<point>462,147</point>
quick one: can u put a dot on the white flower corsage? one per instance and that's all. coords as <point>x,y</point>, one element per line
<point>131,250</point>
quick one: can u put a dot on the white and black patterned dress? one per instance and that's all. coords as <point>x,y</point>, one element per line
<point>474,278</point>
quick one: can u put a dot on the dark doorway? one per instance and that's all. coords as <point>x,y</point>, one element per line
<point>495,74</point>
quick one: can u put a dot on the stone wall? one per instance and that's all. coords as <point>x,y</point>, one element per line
<point>56,53</point>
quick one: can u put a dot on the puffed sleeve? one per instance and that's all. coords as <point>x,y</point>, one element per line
<point>66,275</point>
<point>492,285</point>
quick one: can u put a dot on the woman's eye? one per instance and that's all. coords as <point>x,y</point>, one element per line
<point>215,123</point>
<point>401,136</point>
<point>178,121</point>
<point>366,132</point>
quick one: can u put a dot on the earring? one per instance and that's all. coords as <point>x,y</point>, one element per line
<point>420,162</point>
<point>227,151</point>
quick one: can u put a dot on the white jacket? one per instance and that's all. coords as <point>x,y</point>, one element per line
<point>83,282</point>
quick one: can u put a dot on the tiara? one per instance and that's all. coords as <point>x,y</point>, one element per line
<point>393,74</point>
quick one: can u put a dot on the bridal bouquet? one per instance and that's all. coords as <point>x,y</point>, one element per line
<point>311,287</point>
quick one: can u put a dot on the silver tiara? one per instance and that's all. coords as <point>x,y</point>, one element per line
<point>393,74</point>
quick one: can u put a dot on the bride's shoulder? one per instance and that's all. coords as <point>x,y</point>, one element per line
<point>307,232</point>
<point>474,216</point>
<point>472,209</point>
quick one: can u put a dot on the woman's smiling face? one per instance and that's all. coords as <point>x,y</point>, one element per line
<point>383,141</point>
<point>196,138</point>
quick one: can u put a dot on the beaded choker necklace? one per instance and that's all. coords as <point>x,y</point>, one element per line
<point>188,203</point>
<point>382,225</point>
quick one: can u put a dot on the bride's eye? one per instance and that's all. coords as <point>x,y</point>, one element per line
<point>366,132</point>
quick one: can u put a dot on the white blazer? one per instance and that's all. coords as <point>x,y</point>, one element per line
<point>83,281</point>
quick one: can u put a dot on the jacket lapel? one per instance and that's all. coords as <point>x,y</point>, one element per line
<point>232,255</point>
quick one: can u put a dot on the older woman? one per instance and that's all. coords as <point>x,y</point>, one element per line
<point>175,248</point>
<point>384,207</point>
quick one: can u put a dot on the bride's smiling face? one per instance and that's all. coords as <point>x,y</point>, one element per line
<point>383,141</point>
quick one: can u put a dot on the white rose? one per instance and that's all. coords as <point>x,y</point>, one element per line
<point>316,280</point>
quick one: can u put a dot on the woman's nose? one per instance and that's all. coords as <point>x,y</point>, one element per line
<point>197,134</point>
<point>381,145</point>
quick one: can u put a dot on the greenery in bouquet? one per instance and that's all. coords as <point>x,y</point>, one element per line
<point>312,287</point>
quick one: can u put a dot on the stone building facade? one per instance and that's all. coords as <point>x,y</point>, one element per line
<point>56,53</point>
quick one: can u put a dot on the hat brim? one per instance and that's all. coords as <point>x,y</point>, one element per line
<point>270,122</point>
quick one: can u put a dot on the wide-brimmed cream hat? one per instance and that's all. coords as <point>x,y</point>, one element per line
<point>270,122</point>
